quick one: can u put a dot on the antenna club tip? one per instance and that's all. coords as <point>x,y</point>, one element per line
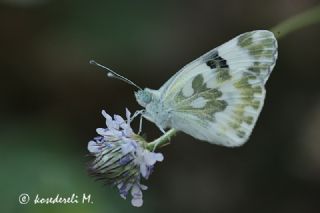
<point>92,62</point>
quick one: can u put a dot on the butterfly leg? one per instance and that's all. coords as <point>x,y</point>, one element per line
<point>137,113</point>
<point>161,129</point>
<point>140,124</point>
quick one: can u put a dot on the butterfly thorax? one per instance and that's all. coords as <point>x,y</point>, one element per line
<point>155,111</point>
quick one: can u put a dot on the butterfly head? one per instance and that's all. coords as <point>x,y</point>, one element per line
<point>144,97</point>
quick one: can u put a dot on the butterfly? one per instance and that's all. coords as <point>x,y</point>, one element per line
<point>218,97</point>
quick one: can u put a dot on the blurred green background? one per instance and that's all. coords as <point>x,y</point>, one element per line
<point>51,99</point>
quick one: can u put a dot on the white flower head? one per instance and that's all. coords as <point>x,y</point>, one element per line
<point>121,157</point>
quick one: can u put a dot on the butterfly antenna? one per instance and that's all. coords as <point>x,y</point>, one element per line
<point>113,74</point>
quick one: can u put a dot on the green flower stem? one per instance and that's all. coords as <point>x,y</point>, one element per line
<point>307,18</point>
<point>163,140</point>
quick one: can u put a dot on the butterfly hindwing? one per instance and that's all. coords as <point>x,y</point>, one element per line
<point>219,96</point>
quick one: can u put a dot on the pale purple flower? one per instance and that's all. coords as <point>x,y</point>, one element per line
<point>121,157</point>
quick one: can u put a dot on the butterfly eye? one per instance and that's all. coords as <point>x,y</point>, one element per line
<point>143,97</point>
<point>147,98</point>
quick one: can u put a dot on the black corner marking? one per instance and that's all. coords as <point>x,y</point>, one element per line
<point>211,64</point>
<point>214,60</point>
<point>223,63</point>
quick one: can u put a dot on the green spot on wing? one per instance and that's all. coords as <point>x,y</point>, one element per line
<point>212,95</point>
<point>223,74</point>
<point>235,125</point>
<point>247,92</point>
<point>258,67</point>
<point>216,93</point>
<point>198,84</point>
<point>245,40</point>
<point>265,46</point>
<point>248,120</point>
<point>241,134</point>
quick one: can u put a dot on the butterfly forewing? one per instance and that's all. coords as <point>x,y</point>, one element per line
<point>219,96</point>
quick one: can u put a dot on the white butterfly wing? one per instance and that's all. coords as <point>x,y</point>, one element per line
<point>219,96</point>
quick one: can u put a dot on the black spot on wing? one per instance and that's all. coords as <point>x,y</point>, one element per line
<point>223,63</point>
<point>214,60</point>
<point>211,64</point>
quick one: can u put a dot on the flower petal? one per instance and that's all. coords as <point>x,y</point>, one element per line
<point>106,115</point>
<point>136,191</point>
<point>143,170</point>
<point>128,114</point>
<point>126,148</point>
<point>137,202</point>
<point>130,141</point>
<point>151,158</point>
<point>158,156</point>
<point>93,147</point>
<point>116,133</point>
<point>143,187</point>
<point>124,189</point>
<point>102,131</point>
<point>109,121</point>
<point>127,130</point>
<point>119,120</point>
<point>136,196</point>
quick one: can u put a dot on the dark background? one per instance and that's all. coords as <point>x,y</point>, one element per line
<point>51,99</point>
